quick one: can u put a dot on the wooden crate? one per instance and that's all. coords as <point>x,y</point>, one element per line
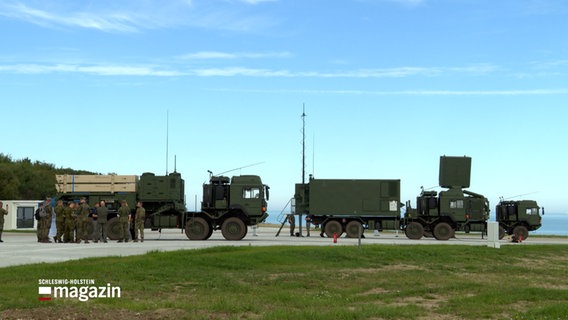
<point>95,187</point>
<point>88,178</point>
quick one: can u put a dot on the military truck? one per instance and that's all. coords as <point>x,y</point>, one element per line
<point>228,204</point>
<point>517,218</point>
<point>349,206</point>
<point>442,214</point>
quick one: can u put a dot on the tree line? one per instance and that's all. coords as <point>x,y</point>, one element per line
<point>29,180</point>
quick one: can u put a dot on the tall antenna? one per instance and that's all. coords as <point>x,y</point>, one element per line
<point>303,144</point>
<point>303,163</point>
<point>167,137</point>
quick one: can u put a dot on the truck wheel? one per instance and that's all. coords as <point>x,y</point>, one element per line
<point>414,230</point>
<point>197,229</point>
<point>332,227</point>
<point>113,229</point>
<point>443,231</point>
<point>352,229</point>
<point>233,229</point>
<point>502,233</point>
<point>521,231</point>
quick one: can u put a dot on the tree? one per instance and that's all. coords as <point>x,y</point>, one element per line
<point>9,183</point>
<point>27,180</point>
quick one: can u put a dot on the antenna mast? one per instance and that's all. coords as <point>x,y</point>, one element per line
<point>167,137</point>
<point>303,144</point>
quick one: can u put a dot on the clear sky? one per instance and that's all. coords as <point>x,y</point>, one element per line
<point>389,86</point>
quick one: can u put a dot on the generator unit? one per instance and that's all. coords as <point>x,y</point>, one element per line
<point>349,205</point>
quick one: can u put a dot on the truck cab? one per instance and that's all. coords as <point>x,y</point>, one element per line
<point>229,205</point>
<point>517,218</point>
<point>249,195</point>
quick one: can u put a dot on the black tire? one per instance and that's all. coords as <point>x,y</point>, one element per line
<point>197,229</point>
<point>502,233</point>
<point>521,231</point>
<point>333,227</point>
<point>113,229</point>
<point>443,231</point>
<point>354,229</point>
<point>233,229</point>
<point>209,234</point>
<point>414,230</point>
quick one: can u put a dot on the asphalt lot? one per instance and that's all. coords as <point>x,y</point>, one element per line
<point>23,248</point>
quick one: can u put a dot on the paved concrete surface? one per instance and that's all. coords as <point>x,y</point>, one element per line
<point>23,248</point>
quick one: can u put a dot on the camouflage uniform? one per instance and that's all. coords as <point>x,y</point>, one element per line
<point>102,213</point>
<point>59,220</point>
<point>123,217</point>
<point>139,222</point>
<point>69,222</point>
<point>48,219</point>
<point>83,222</point>
<point>3,213</point>
<point>292,222</point>
<point>42,224</point>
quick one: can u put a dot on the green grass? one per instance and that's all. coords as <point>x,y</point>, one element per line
<point>379,282</point>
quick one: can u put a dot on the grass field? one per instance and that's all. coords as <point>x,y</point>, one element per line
<point>376,282</point>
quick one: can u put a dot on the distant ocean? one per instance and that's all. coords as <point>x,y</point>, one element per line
<point>552,223</point>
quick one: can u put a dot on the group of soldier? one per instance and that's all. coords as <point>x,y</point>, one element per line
<point>73,221</point>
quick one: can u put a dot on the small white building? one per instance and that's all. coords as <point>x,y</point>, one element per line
<point>20,214</point>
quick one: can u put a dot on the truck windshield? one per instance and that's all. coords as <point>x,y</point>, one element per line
<point>251,193</point>
<point>532,211</point>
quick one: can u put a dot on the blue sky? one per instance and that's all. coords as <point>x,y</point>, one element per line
<point>388,86</point>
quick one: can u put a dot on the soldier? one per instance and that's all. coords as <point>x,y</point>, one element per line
<point>83,221</point>
<point>3,212</point>
<point>124,218</point>
<point>308,224</point>
<point>69,222</point>
<point>102,214</point>
<point>95,235</point>
<point>292,221</point>
<point>42,226</point>
<point>59,220</point>
<point>139,222</point>
<point>48,219</point>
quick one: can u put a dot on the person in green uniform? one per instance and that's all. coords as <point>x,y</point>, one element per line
<point>102,214</point>
<point>83,220</point>
<point>59,220</point>
<point>124,218</point>
<point>69,222</point>
<point>292,222</point>
<point>3,212</point>
<point>42,225</point>
<point>49,216</point>
<point>139,222</point>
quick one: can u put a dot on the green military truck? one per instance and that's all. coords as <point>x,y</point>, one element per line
<point>442,214</point>
<point>517,218</point>
<point>349,206</point>
<point>228,204</point>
